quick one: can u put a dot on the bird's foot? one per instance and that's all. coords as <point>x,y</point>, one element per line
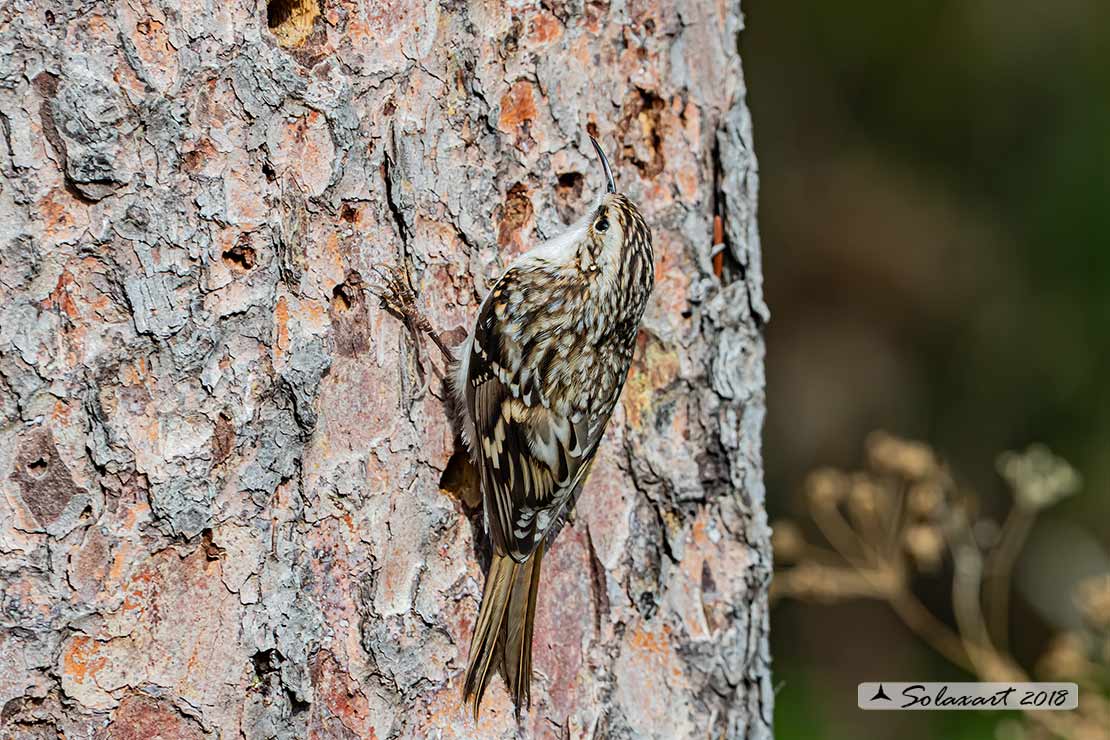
<point>398,297</point>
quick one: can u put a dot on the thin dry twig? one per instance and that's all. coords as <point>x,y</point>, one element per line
<point>999,568</point>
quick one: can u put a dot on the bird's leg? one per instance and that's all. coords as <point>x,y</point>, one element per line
<point>398,298</point>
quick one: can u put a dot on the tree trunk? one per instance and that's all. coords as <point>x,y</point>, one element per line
<point>232,500</point>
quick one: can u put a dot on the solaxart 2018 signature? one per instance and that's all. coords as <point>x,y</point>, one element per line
<point>1007,698</point>
<point>1024,696</point>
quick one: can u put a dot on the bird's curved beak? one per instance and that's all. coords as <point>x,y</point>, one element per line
<point>612,187</point>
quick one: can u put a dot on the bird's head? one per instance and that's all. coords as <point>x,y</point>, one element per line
<point>616,230</point>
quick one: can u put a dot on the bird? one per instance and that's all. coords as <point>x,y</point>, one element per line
<point>537,380</point>
<point>534,385</point>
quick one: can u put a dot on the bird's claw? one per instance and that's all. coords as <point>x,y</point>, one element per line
<point>398,297</point>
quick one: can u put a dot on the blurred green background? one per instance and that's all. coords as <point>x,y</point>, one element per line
<point>935,212</point>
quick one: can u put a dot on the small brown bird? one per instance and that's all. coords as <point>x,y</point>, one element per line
<point>536,382</point>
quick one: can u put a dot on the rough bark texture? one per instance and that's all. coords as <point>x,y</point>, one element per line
<point>232,503</point>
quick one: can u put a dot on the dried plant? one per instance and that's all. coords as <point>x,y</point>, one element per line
<point>904,515</point>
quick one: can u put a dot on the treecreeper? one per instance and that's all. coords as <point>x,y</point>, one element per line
<point>535,383</point>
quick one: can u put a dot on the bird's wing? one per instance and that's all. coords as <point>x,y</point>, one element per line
<point>530,456</point>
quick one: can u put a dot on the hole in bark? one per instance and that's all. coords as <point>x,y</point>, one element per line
<point>291,21</point>
<point>265,662</point>
<point>24,713</point>
<point>347,293</point>
<point>296,704</point>
<point>460,480</point>
<point>570,184</point>
<point>223,439</point>
<point>212,551</point>
<point>708,582</point>
<point>269,172</point>
<point>340,300</point>
<point>647,604</point>
<point>568,191</point>
<point>664,416</point>
<point>571,180</point>
<point>597,578</point>
<point>349,213</point>
<point>240,257</point>
<point>37,468</point>
<point>350,321</point>
<point>644,123</point>
<point>515,214</point>
<point>511,42</point>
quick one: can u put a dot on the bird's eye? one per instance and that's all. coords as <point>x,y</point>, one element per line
<point>602,224</point>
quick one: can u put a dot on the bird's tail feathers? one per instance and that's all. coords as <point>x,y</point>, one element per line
<point>503,632</point>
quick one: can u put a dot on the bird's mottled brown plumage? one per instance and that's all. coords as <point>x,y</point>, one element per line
<point>537,381</point>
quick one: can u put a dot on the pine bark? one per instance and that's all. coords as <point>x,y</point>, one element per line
<point>232,502</point>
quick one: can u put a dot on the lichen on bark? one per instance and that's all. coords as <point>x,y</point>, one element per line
<point>228,499</point>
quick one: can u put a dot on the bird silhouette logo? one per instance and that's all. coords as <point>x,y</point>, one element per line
<point>880,694</point>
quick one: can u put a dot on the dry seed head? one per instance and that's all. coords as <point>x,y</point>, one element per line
<point>787,541</point>
<point>957,518</point>
<point>826,487</point>
<point>1037,477</point>
<point>865,497</point>
<point>1092,595</point>
<point>986,533</point>
<point>817,582</point>
<point>925,499</point>
<point>1065,659</point>
<point>891,454</point>
<point>925,544</point>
